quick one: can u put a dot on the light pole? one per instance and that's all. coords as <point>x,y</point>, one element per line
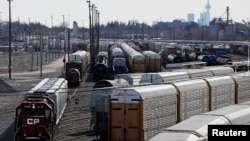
<point>32,51</point>
<point>83,30</point>
<point>90,36</point>
<point>64,45</point>
<point>93,37</point>
<point>98,28</point>
<point>0,20</point>
<point>41,50</point>
<point>248,29</point>
<point>52,45</point>
<point>18,38</point>
<point>248,55</point>
<point>9,38</point>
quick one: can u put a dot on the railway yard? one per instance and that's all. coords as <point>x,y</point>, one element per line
<point>76,122</point>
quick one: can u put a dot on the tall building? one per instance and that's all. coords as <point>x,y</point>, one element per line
<point>133,22</point>
<point>205,16</point>
<point>190,17</point>
<point>75,29</point>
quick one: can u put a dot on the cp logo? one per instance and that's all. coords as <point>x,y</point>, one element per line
<point>31,121</point>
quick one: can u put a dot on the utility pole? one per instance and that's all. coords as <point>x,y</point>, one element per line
<point>9,38</point>
<point>52,47</point>
<point>0,20</point>
<point>90,37</point>
<point>64,58</point>
<point>248,29</point>
<point>37,37</point>
<point>41,53</point>
<point>117,24</point>
<point>32,51</point>
<point>83,31</point>
<point>46,51</point>
<point>202,30</point>
<point>40,48</point>
<point>18,30</point>
<point>93,37</point>
<point>98,30</point>
<point>68,42</point>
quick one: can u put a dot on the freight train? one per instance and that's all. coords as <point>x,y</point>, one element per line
<point>153,61</point>
<point>41,110</point>
<point>178,53</point>
<point>98,103</point>
<point>196,128</point>
<point>140,112</point>
<point>118,61</point>
<point>76,67</point>
<point>135,60</point>
<point>101,67</point>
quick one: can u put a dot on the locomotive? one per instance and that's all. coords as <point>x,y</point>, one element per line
<point>101,68</point>
<point>76,67</point>
<point>41,110</point>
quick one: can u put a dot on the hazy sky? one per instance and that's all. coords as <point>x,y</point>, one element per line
<point>121,10</point>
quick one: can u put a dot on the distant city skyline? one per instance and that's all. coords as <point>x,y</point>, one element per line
<point>48,11</point>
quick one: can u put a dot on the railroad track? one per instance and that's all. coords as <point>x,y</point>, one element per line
<point>75,122</point>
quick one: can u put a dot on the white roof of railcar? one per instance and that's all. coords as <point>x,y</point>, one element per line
<point>40,84</point>
<point>175,136</point>
<point>199,73</point>
<point>199,124</point>
<point>221,70</point>
<point>151,54</point>
<point>219,80</point>
<point>135,55</point>
<point>239,77</point>
<point>142,92</point>
<point>78,55</point>
<point>117,52</point>
<point>132,52</point>
<point>48,85</point>
<point>241,74</point>
<point>161,77</point>
<point>132,78</point>
<point>191,84</point>
<point>237,113</point>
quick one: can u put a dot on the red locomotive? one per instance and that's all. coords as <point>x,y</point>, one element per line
<point>41,110</point>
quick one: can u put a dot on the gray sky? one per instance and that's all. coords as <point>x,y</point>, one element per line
<point>121,10</point>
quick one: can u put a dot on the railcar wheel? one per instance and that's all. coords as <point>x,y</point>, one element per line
<point>47,138</point>
<point>18,138</point>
